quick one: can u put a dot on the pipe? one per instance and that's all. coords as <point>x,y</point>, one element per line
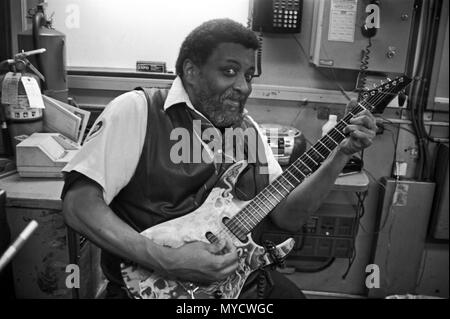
<point>409,122</point>
<point>38,19</point>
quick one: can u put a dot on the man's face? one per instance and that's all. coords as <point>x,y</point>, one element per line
<point>224,84</point>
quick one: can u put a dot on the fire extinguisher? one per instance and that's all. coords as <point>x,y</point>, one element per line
<point>51,63</point>
<point>17,118</point>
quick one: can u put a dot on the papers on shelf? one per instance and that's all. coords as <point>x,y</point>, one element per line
<point>65,119</point>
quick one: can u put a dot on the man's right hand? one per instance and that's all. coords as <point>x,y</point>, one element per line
<point>200,262</point>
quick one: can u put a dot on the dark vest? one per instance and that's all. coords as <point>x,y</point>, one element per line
<point>161,190</point>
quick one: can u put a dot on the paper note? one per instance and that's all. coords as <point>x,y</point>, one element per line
<point>342,20</point>
<point>10,88</point>
<point>58,119</point>
<point>83,115</point>
<point>33,92</point>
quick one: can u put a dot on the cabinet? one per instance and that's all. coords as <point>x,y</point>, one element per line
<point>39,268</point>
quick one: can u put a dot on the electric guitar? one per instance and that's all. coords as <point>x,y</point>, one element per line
<point>221,216</point>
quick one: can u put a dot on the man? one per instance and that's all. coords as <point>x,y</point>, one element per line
<point>124,180</point>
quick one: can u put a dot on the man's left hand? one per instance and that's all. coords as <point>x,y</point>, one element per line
<point>361,132</point>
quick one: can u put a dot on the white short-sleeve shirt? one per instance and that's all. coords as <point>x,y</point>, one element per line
<point>113,147</point>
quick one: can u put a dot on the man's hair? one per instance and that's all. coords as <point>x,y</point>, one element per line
<point>201,42</point>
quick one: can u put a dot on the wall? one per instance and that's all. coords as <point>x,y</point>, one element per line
<point>154,30</point>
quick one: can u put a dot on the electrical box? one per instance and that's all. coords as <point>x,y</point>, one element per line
<point>401,231</point>
<point>337,39</point>
<point>440,213</point>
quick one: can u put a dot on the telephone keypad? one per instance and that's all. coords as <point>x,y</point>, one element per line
<point>285,14</point>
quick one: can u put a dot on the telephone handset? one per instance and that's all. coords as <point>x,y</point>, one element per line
<point>369,31</point>
<point>277,16</point>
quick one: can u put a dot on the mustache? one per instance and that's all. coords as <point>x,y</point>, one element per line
<point>233,95</point>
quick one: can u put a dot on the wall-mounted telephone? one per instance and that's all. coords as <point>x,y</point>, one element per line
<point>341,30</point>
<point>277,16</point>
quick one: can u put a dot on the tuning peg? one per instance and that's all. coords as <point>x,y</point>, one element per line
<point>389,80</point>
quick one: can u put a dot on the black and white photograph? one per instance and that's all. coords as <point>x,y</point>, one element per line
<point>249,150</point>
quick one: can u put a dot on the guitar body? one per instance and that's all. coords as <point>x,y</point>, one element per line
<point>219,205</point>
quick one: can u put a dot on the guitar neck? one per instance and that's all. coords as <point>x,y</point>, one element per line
<point>263,203</point>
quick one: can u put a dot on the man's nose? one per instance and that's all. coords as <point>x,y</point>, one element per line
<point>242,85</point>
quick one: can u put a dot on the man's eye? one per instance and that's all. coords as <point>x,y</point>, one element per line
<point>249,77</point>
<point>230,72</point>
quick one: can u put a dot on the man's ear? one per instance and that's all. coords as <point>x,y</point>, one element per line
<point>190,71</point>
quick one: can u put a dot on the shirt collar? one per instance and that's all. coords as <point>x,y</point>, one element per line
<point>177,94</point>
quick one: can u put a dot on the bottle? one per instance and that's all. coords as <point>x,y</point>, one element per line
<point>332,121</point>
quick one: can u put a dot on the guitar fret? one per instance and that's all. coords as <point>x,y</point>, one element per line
<point>317,152</point>
<point>359,104</point>
<point>311,159</point>
<point>278,191</point>
<point>288,181</point>
<point>262,193</point>
<point>259,207</point>
<point>249,211</point>
<point>325,146</point>
<point>304,176</point>
<point>243,220</point>
<point>329,137</point>
<point>264,202</point>
<point>293,176</point>
<point>236,225</point>
<point>340,133</point>
<point>369,106</point>
<point>256,211</point>
<point>282,185</point>
<point>305,165</point>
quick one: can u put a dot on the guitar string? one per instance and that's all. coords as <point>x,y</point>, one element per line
<point>318,147</point>
<point>236,229</point>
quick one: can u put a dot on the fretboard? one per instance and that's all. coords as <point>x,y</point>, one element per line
<point>263,203</point>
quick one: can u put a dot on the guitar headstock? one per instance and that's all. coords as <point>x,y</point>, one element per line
<point>379,97</point>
